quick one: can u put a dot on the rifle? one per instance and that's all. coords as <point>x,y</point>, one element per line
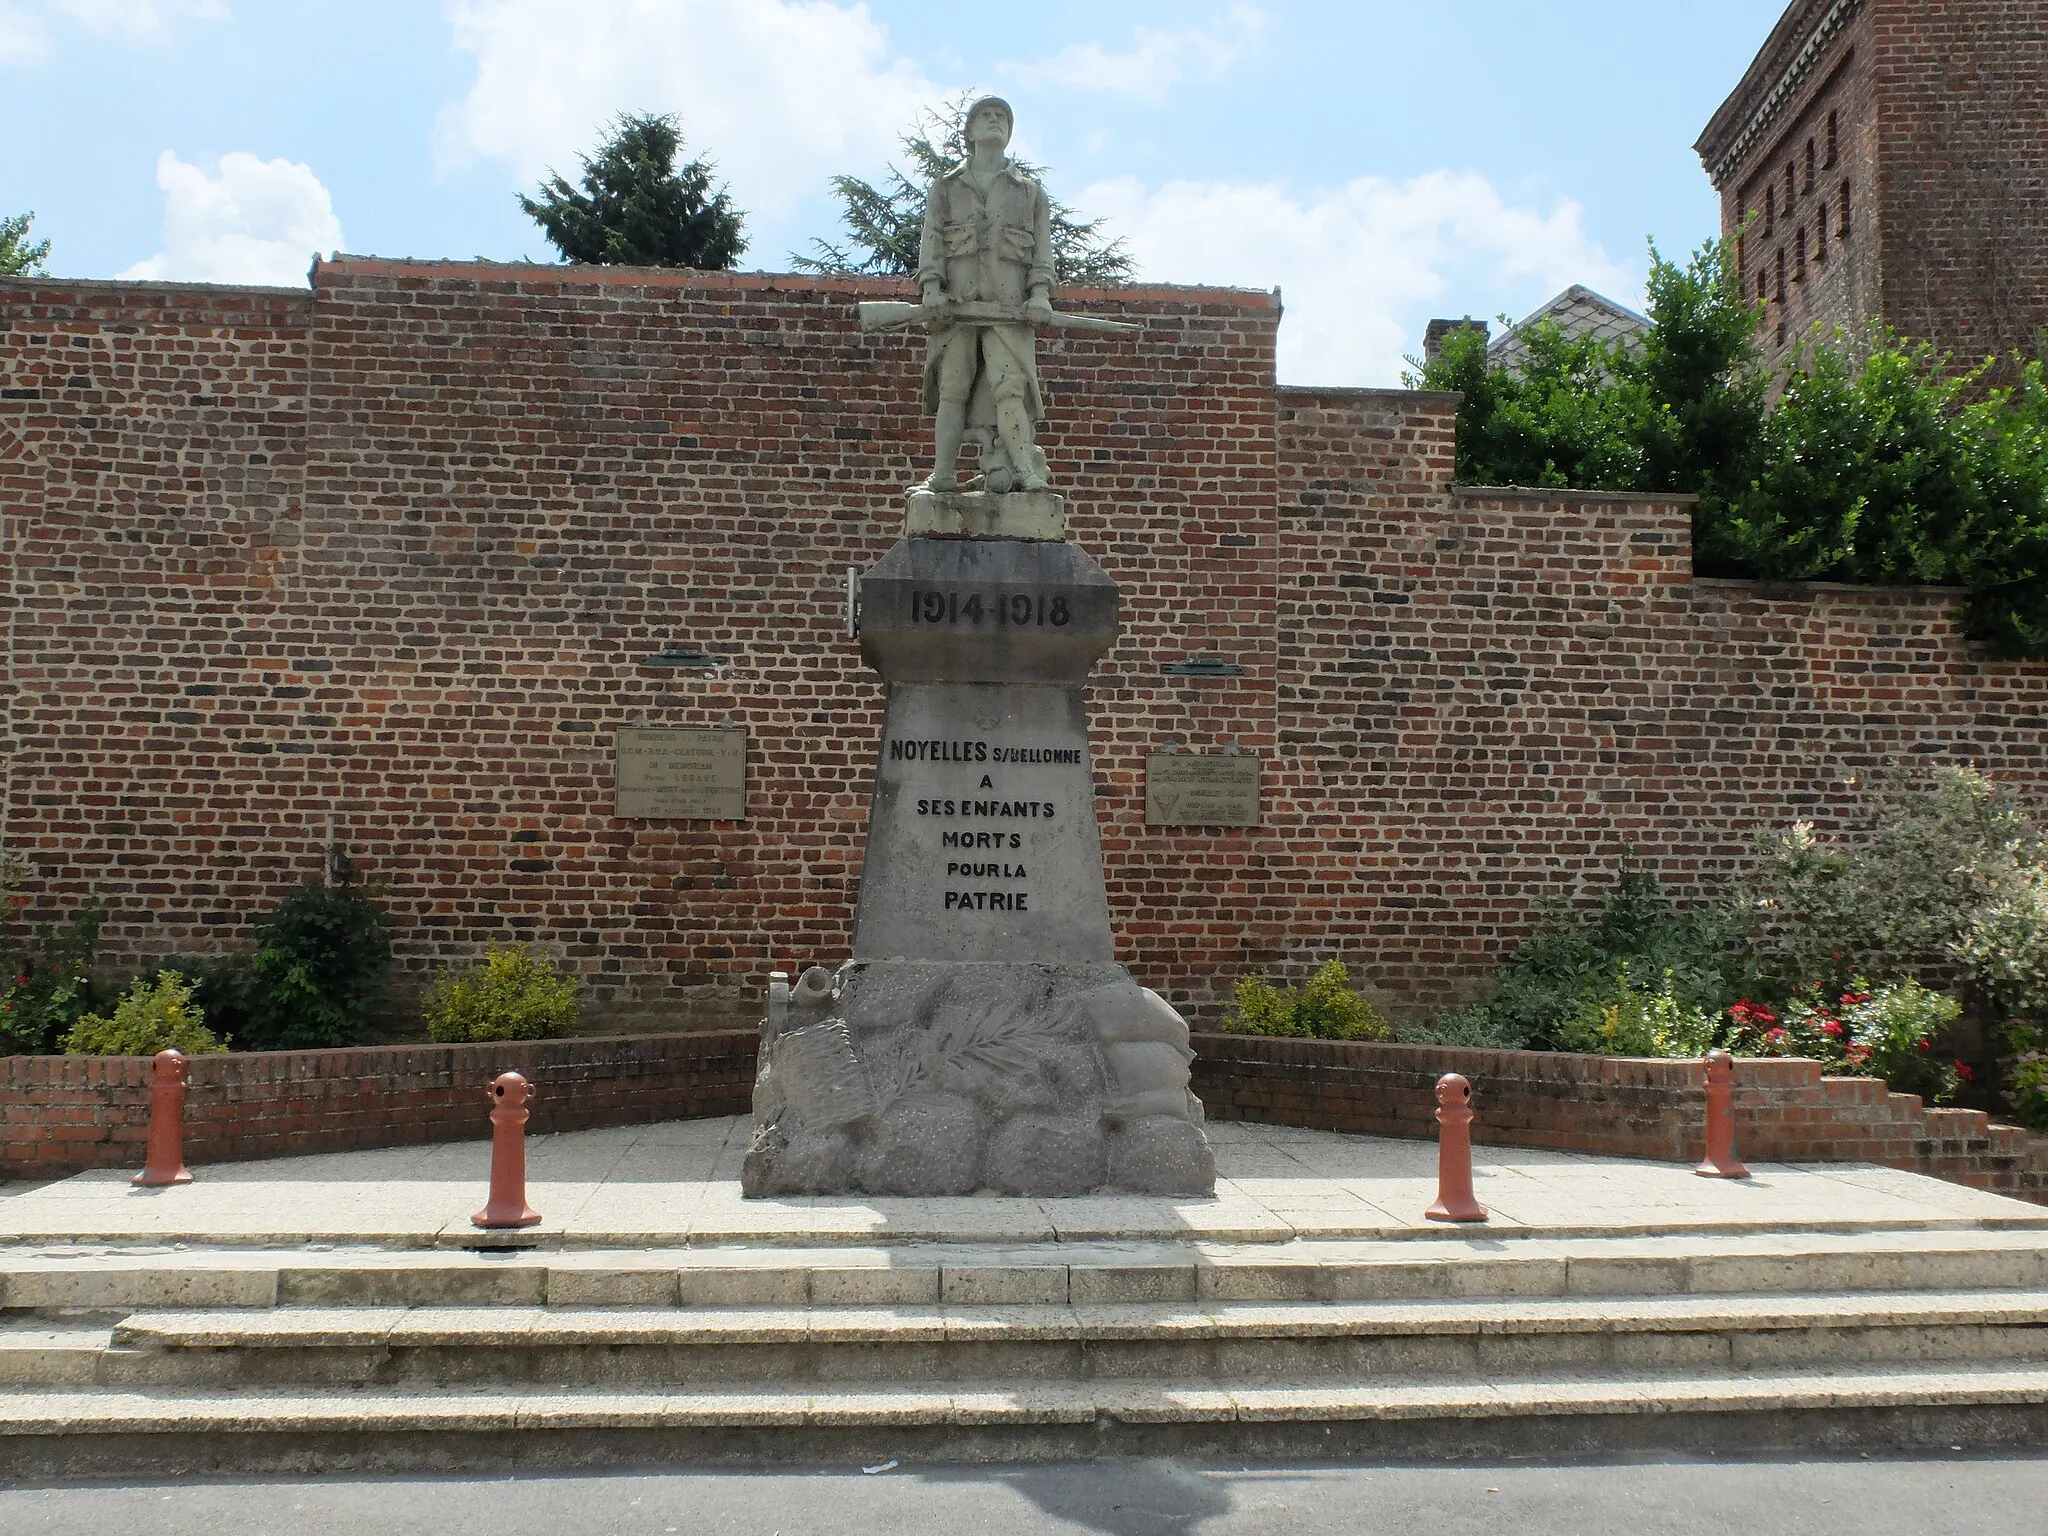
<point>898,316</point>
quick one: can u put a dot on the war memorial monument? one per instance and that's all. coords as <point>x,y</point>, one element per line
<point>982,1036</point>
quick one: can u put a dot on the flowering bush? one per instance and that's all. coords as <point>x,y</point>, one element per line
<point>1951,874</point>
<point>49,986</point>
<point>1890,1032</point>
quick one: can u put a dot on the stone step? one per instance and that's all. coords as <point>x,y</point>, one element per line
<point>1764,1262</point>
<point>45,1352</point>
<point>128,1433</point>
<point>837,1346</point>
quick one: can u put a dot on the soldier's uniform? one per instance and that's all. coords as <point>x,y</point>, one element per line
<point>992,247</point>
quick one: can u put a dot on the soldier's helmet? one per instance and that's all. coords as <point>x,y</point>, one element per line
<point>1009,116</point>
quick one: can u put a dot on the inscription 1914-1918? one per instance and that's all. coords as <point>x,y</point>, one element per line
<point>1014,608</point>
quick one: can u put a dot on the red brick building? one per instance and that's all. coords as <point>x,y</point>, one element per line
<point>1889,159</point>
<point>384,562</point>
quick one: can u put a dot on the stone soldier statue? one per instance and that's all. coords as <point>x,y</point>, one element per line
<point>987,244</point>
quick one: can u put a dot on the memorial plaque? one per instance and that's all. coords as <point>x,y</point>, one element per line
<point>681,775</point>
<point>1185,789</point>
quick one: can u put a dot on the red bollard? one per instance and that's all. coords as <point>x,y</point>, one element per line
<point>1454,1198</point>
<point>1721,1163</point>
<point>165,1161</point>
<point>508,1207</point>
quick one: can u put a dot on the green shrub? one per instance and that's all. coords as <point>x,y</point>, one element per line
<point>514,995</point>
<point>50,986</point>
<point>1325,1008</point>
<point>2027,1085</point>
<point>1634,1021</point>
<point>1880,462</point>
<point>1574,962</point>
<point>153,1016</point>
<point>1477,1027</point>
<point>223,987</point>
<point>319,968</point>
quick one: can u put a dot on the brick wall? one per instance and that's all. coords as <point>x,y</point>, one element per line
<point>1785,1111</point>
<point>62,1114</point>
<point>1962,90</point>
<point>382,563</point>
<point>1933,106</point>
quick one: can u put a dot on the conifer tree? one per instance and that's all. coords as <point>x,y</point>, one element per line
<point>637,207</point>
<point>18,258</point>
<point>883,223</point>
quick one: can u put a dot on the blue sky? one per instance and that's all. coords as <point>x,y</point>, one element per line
<point>1380,162</point>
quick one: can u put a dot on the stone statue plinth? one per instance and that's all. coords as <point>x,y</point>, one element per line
<point>982,1037</point>
<point>987,514</point>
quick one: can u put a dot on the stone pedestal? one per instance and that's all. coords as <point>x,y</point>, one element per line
<point>982,1037</point>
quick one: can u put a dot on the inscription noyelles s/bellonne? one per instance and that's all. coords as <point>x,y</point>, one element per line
<point>995,807</point>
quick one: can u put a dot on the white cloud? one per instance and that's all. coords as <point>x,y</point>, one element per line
<point>1362,267</point>
<point>780,94</point>
<point>23,39</point>
<point>25,36</point>
<point>1156,60</point>
<point>139,20</point>
<point>253,221</point>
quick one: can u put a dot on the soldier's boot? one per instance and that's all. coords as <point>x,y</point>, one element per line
<point>1014,422</point>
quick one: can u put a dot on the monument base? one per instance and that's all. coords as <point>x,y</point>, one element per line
<point>986,515</point>
<point>905,1077</point>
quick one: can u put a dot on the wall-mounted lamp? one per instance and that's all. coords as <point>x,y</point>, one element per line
<point>1203,666</point>
<point>682,656</point>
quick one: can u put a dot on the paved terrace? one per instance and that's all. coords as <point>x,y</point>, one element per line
<point>677,1185</point>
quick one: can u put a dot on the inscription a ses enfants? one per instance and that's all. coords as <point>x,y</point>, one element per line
<point>1005,819</point>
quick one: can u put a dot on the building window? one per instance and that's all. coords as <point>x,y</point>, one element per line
<point>1763,288</point>
<point>1834,138</point>
<point>1799,255</point>
<point>1842,229</point>
<point>1779,295</point>
<point>1791,190</point>
<point>1809,167</point>
<point>1820,235</point>
<point>1770,208</point>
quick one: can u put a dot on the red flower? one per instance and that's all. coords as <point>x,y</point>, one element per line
<point>1926,1044</point>
<point>1963,1071</point>
<point>1831,1027</point>
<point>1776,1034</point>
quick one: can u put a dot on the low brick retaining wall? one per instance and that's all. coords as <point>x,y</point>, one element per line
<point>1785,1111</point>
<point>63,1114</point>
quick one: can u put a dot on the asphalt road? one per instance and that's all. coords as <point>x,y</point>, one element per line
<point>1924,1497</point>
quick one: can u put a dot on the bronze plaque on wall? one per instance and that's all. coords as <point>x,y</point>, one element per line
<point>665,774</point>
<point>1185,789</point>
